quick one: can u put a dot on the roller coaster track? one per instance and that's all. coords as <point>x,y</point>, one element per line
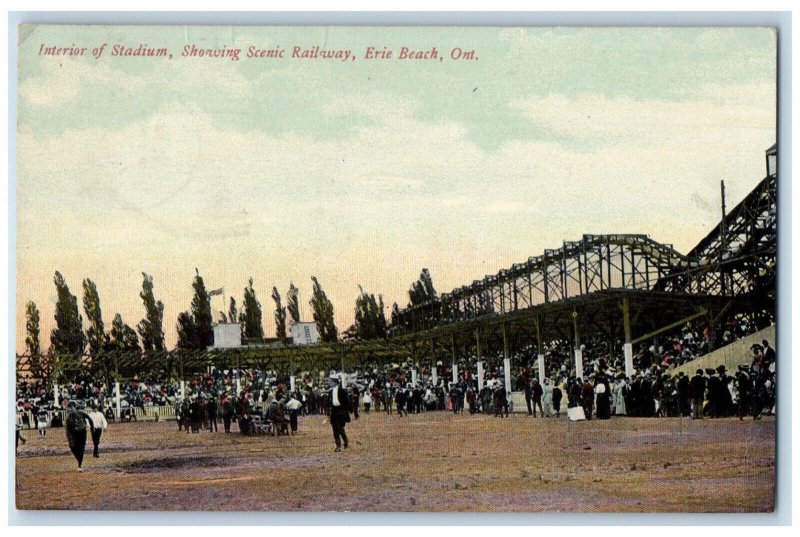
<point>737,258</point>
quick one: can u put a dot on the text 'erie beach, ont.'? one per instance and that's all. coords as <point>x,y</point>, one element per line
<point>294,52</point>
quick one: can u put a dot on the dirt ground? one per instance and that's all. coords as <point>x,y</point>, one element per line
<point>427,462</point>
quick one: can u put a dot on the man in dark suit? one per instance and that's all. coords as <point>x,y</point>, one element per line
<point>769,352</point>
<point>212,409</point>
<point>339,403</point>
<point>697,387</point>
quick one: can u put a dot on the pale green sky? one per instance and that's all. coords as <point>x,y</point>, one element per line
<point>366,171</point>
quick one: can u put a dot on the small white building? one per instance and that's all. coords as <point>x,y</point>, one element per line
<point>304,333</point>
<point>227,336</point>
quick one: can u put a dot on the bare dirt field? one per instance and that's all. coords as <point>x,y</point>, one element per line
<point>427,462</point>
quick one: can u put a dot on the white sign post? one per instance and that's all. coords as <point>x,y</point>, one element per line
<point>578,363</point>
<point>540,363</point>
<point>628,350</point>
<point>291,383</point>
<point>480,374</point>
<point>414,376</point>
<point>434,376</point>
<point>455,373</point>
<point>507,374</point>
<point>117,402</point>
<point>183,389</point>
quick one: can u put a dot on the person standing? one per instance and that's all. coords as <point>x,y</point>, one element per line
<point>400,399</point>
<point>537,392</point>
<point>293,406</point>
<point>574,389</point>
<point>42,422</point>
<point>557,395</point>
<point>745,387</point>
<point>500,402</point>
<point>587,397</point>
<point>603,393</point>
<point>355,398</point>
<point>227,412</point>
<point>526,386</point>
<point>19,427</point>
<point>697,388</point>
<point>340,415</point>
<point>388,400</point>
<point>547,398</point>
<point>471,398</point>
<point>76,431</point>
<point>768,352</point>
<point>684,389</point>
<point>212,408</point>
<point>713,385</point>
<point>100,425</point>
<point>486,397</point>
<point>367,400</point>
<point>620,392</point>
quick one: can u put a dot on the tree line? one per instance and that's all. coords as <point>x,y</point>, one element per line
<point>194,326</point>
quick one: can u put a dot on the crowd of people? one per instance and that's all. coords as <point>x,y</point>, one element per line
<point>258,401</point>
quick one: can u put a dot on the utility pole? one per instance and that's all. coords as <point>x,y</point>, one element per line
<point>722,227</point>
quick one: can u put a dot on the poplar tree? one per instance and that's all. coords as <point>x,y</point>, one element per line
<point>95,335</point>
<point>32,345</point>
<point>233,312</point>
<point>123,336</point>
<point>422,290</point>
<point>187,331</point>
<point>280,315</point>
<point>323,313</point>
<point>67,336</point>
<point>37,363</point>
<point>151,328</point>
<point>251,313</point>
<point>201,314</point>
<point>370,319</point>
<point>293,304</point>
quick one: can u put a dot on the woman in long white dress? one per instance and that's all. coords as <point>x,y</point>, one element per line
<point>619,397</point>
<point>547,398</point>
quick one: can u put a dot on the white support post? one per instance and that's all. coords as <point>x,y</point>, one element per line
<point>480,374</point>
<point>434,375</point>
<point>292,383</point>
<point>540,363</point>
<point>56,396</point>
<point>579,363</point>
<point>628,350</point>
<point>414,376</point>
<point>507,374</point>
<point>455,373</point>
<point>238,386</point>
<point>117,402</point>
<point>183,389</point>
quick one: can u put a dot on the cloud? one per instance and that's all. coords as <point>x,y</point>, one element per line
<point>392,181</point>
<point>63,79</point>
<point>714,113</point>
<point>509,206</point>
<point>701,203</point>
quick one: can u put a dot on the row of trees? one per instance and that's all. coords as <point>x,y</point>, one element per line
<point>68,336</point>
<point>194,326</point>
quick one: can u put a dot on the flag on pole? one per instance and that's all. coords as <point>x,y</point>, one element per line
<point>216,292</point>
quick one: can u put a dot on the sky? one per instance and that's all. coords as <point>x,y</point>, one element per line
<point>365,171</point>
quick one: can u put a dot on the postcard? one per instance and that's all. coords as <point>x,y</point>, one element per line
<point>342,268</point>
